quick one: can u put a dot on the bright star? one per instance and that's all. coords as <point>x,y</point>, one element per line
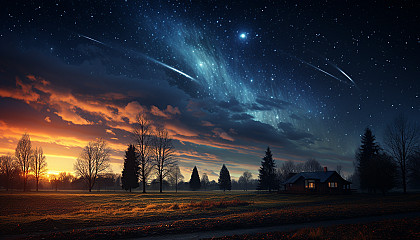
<point>243,35</point>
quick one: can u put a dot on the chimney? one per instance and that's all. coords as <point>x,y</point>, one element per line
<point>325,169</point>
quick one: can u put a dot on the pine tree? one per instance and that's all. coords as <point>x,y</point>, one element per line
<point>367,153</point>
<point>130,173</point>
<point>195,183</point>
<point>267,175</point>
<point>224,179</point>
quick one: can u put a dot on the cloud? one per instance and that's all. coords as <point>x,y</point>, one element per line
<point>293,134</point>
<point>110,131</point>
<point>168,113</point>
<point>207,124</point>
<point>218,132</point>
<point>232,105</point>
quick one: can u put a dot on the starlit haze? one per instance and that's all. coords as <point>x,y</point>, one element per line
<point>226,79</point>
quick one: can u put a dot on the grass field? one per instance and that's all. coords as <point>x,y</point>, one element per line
<point>78,214</point>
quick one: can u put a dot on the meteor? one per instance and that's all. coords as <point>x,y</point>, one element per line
<point>81,35</point>
<point>325,72</point>
<point>169,67</point>
<point>143,56</point>
<point>347,76</point>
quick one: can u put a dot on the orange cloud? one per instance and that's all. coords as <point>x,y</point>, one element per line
<point>22,92</point>
<point>207,124</point>
<point>222,134</point>
<point>110,131</point>
<point>157,112</point>
<point>172,110</point>
<point>168,113</point>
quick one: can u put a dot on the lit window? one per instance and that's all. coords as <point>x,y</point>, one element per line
<point>310,184</point>
<point>332,184</point>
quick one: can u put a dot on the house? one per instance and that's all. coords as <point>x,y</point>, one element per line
<point>317,182</point>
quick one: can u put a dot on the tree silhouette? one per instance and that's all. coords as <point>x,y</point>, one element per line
<point>23,155</point>
<point>401,139</point>
<point>384,172</point>
<point>130,173</point>
<point>93,160</point>
<point>204,181</point>
<point>195,183</point>
<point>8,169</point>
<point>245,180</point>
<point>163,153</point>
<point>224,181</point>
<point>175,176</point>
<point>38,165</point>
<point>267,172</point>
<point>368,151</point>
<point>142,134</point>
<point>312,165</point>
<point>414,170</point>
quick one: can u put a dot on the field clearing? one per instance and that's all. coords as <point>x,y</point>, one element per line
<point>136,214</point>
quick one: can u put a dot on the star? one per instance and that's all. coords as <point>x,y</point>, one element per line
<point>242,35</point>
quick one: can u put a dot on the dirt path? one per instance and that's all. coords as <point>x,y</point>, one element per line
<point>280,228</point>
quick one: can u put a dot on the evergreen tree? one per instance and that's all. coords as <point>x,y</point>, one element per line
<point>224,179</point>
<point>130,173</point>
<point>267,176</point>
<point>195,183</point>
<point>367,153</point>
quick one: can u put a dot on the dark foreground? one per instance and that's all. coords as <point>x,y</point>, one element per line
<point>208,214</point>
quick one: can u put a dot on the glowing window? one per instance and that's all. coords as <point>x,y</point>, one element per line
<point>310,184</point>
<point>332,184</point>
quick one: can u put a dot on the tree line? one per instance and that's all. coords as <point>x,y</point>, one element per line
<point>397,164</point>
<point>152,153</point>
<point>26,160</point>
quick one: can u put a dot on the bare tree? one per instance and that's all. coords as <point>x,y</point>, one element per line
<point>287,168</point>
<point>204,181</point>
<point>401,140</point>
<point>93,160</point>
<point>23,155</point>
<point>245,179</point>
<point>175,176</point>
<point>64,180</point>
<point>7,169</point>
<point>163,154</point>
<point>38,165</point>
<point>142,133</point>
<point>312,165</point>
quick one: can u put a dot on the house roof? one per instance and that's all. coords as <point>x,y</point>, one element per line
<point>322,176</point>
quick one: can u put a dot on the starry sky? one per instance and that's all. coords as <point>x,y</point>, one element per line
<point>226,79</point>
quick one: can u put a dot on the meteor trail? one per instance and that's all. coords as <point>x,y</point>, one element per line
<point>347,76</point>
<point>319,69</point>
<point>144,56</point>
<point>325,72</point>
<point>169,67</point>
<point>81,35</point>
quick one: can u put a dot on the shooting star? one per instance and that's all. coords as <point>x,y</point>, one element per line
<point>169,67</point>
<point>325,72</point>
<point>81,35</point>
<point>345,74</point>
<point>143,56</point>
<point>321,70</point>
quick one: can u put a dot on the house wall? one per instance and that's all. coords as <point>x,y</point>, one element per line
<point>299,186</point>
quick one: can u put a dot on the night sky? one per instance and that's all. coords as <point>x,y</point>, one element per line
<point>226,79</point>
